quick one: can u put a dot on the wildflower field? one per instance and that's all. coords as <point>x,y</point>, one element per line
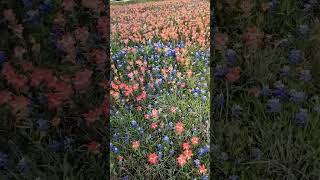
<point>160,90</point>
<point>266,106</point>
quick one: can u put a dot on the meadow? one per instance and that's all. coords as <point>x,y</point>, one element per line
<point>266,90</point>
<point>160,90</point>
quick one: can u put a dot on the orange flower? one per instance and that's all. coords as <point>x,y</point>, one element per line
<point>154,125</point>
<point>173,109</point>
<point>253,37</point>
<point>202,169</point>
<point>135,145</point>
<point>5,96</point>
<point>220,40</point>
<point>194,140</point>
<point>182,159</point>
<point>93,147</point>
<point>233,74</point>
<point>120,158</point>
<point>188,153</point>
<point>179,128</point>
<point>82,79</point>
<point>153,158</point>
<point>146,116</point>
<point>154,113</point>
<point>185,146</point>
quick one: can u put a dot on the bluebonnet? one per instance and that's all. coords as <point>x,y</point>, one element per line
<point>55,146</point>
<point>197,162</point>
<point>3,57</point>
<point>201,152</point>
<point>297,96</point>
<point>43,124</point>
<point>115,150</point>
<point>284,72</point>
<point>301,117</point>
<point>134,124</point>
<point>32,17</point>
<point>294,56</point>
<point>159,147</point>
<point>231,57</point>
<point>206,149</point>
<point>233,177</point>
<point>204,98</point>
<point>166,139</point>
<point>273,6</point>
<point>284,43</point>
<point>205,177</point>
<point>274,105</point>
<point>46,6</point>
<point>67,142</point>
<point>305,75</point>
<point>280,90</point>
<point>3,160</point>
<point>303,30</point>
<point>160,154</point>
<point>171,152</point>
<point>126,177</point>
<point>23,165</point>
<point>220,72</point>
<point>27,3</point>
<point>236,111</point>
<point>218,100</point>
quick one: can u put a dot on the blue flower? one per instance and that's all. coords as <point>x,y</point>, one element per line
<point>171,152</point>
<point>159,147</point>
<point>233,177</point>
<point>46,6</point>
<point>55,146</point>
<point>43,124</point>
<point>301,117</point>
<point>284,72</point>
<point>27,3</point>
<point>303,30</point>
<point>166,139</point>
<point>3,160</point>
<point>32,17</point>
<point>205,177</point>
<point>295,56</point>
<point>134,124</point>
<point>274,105</point>
<point>126,177</point>
<point>305,75</point>
<point>115,150</point>
<point>67,142</point>
<point>218,100</point>
<point>231,57</point>
<point>160,154</point>
<point>204,98</point>
<point>236,111</point>
<point>200,152</point>
<point>296,96</point>
<point>197,162</point>
<point>23,165</point>
<point>280,90</point>
<point>220,72</point>
<point>3,57</point>
<point>265,92</point>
